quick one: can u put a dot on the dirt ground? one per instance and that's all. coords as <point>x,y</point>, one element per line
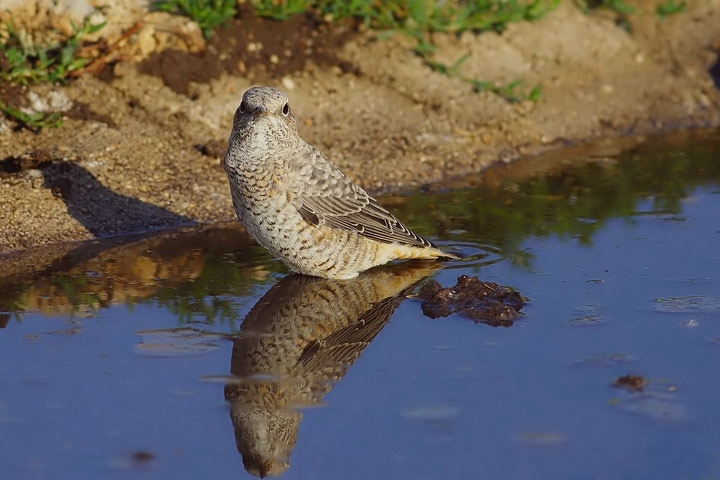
<point>141,142</point>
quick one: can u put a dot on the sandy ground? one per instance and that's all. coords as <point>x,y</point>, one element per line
<point>141,143</point>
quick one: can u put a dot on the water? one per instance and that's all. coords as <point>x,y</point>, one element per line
<point>164,356</point>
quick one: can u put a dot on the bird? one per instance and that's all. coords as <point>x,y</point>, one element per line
<point>300,206</point>
<point>295,344</point>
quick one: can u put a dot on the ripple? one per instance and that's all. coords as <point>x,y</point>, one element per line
<point>472,255</point>
<point>176,342</point>
<point>689,304</point>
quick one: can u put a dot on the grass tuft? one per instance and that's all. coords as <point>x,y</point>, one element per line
<point>450,16</point>
<point>282,10</point>
<point>23,63</point>
<point>509,91</point>
<point>670,7</point>
<point>31,121</point>
<point>208,14</point>
<point>618,6</point>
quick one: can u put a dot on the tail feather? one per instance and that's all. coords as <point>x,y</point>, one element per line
<point>406,252</point>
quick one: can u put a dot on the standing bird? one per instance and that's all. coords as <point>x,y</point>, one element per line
<point>302,207</point>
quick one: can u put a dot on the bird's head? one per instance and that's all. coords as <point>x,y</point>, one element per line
<point>263,125</point>
<point>264,107</point>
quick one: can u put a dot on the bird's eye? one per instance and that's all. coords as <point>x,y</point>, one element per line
<point>286,109</point>
<point>243,107</point>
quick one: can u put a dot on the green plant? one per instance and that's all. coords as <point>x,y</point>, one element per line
<point>618,6</point>
<point>416,18</point>
<point>32,121</point>
<point>208,14</point>
<point>508,91</point>
<point>23,63</point>
<point>420,18</point>
<point>669,7</point>
<point>368,11</point>
<point>280,10</point>
<point>432,16</point>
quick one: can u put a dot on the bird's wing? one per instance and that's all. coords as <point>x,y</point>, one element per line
<point>342,347</point>
<point>325,196</point>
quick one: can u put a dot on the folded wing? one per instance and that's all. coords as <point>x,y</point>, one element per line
<point>325,196</point>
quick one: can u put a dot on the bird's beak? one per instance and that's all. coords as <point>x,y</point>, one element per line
<point>260,110</point>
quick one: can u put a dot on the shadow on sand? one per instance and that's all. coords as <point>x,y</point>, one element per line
<point>100,210</point>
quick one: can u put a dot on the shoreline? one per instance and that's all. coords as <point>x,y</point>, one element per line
<point>138,151</point>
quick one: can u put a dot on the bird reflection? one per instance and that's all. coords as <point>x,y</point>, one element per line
<point>295,344</point>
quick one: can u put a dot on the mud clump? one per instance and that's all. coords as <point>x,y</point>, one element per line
<point>482,302</point>
<point>632,383</point>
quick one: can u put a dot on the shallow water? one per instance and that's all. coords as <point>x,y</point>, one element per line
<point>149,357</point>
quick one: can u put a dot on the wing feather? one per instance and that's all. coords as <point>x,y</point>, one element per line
<point>323,195</point>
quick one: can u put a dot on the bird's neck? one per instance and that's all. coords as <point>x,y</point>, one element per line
<point>264,145</point>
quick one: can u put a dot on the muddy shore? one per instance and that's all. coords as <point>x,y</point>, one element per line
<point>141,141</point>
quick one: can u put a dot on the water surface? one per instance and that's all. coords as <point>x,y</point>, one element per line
<point>193,354</point>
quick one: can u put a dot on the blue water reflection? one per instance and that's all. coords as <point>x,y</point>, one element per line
<point>116,372</point>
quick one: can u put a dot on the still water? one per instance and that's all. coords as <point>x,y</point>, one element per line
<point>193,354</point>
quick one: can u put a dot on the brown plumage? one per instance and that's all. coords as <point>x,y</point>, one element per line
<point>300,206</point>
